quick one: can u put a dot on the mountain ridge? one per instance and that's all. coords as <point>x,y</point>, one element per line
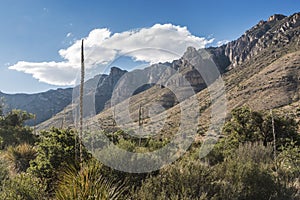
<point>44,105</point>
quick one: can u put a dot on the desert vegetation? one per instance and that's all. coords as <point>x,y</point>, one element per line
<point>244,164</point>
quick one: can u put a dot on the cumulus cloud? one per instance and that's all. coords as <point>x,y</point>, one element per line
<point>55,73</point>
<point>159,43</point>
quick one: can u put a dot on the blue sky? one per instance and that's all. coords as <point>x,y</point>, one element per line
<point>44,34</point>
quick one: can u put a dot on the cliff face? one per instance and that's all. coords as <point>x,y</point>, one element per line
<point>278,35</point>
<point>278,31</point>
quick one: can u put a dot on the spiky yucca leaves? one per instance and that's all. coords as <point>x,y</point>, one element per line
<point>87,184</point>
<point>20,156</point>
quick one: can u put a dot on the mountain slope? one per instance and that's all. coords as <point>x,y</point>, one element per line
<point>275,86</point>
<point>267,79</point>
<point>261,70</point>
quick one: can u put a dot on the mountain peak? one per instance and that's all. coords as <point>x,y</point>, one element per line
<point>190,52</point>
<point>116,70</point>
<point>276,17</point>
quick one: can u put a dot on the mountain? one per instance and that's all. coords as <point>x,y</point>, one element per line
<point>262,75</point>
<point>260,69</point>
<point>97,91</point>
<point>44,105</point>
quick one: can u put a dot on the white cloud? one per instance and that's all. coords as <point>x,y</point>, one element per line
<point>55,73</point>
<point>69,34</point>
<point>222,42</point>
<point>159,43</point>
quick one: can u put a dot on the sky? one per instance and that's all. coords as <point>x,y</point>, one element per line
<point>40,40</point>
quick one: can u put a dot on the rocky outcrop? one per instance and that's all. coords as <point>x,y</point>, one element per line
<point>276,17</point>
<point>276,32</point>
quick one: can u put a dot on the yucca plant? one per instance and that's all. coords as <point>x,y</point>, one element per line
<point>87,184</point>
<point>20,156</point>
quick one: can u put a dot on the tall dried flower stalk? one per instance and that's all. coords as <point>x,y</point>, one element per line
<point>81,103</point>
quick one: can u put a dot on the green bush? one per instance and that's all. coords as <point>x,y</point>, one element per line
<point>251,126</point>
<point>288,163</point>
<point>23,187</point>
<point>56,150</point>
<point>250,173</point>
<point>190,180</point>
<point>12,129</point>
<point>3,172</point>
<point>244,180</point>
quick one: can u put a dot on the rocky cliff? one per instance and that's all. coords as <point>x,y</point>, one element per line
<point>277,32</point>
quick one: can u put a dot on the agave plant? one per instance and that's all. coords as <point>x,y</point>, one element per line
<point>87,184</point>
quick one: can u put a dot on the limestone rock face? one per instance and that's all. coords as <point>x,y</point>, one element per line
<point>278,31</point>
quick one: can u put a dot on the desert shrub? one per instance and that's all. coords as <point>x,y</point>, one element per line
<point>289,169</point>
<point>56,150</point>
<point>249,173</point>
<point>3,172</point>
<point>251,126</point>
<point>244,180</point>
<point>23,187</point>
<point>191,180</point>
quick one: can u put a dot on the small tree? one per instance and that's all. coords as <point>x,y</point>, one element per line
<point>56,150</point>
<point>12,129</point>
